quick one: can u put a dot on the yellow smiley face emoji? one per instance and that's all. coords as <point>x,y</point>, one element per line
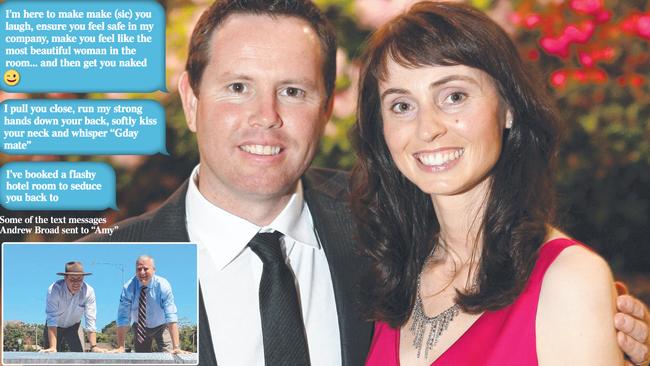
<point>12,77</point>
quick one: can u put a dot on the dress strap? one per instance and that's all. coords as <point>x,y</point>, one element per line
<point>547,254</point>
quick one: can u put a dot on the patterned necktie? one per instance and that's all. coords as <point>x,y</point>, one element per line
<point>142,315</point>
<point>282,326</point>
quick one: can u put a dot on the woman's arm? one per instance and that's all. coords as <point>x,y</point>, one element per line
<point>576,312</point>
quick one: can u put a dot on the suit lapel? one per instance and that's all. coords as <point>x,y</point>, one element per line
<point>334,229</point>
<point>167,225</point>
<point>206,354</point>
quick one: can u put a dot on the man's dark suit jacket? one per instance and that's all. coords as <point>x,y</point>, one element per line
<point>325,192</point>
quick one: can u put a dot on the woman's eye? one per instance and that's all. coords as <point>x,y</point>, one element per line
<point>401,107</point>
<point>455,98</point>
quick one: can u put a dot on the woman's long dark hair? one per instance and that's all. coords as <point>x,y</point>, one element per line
<point>397,226</point>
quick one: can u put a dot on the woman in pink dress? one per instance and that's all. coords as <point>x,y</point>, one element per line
<point>453,194</point>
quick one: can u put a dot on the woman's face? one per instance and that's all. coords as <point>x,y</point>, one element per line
<point>443,125</point>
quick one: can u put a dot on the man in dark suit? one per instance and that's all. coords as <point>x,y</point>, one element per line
<point>257,91</point>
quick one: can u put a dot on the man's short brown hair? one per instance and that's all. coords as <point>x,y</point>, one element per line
<point>199,51</point>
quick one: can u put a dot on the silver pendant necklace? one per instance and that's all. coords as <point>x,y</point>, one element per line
<point>436,324</point>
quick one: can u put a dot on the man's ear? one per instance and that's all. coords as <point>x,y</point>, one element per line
<point>327,113</point>
<point>189,100</point>
<point>329,108</point>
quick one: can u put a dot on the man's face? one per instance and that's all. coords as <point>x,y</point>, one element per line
<point>144,270</point>
<point>74,282</point>
<point>261,108</point>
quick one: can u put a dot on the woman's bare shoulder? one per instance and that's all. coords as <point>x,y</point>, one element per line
<point>576,309</point>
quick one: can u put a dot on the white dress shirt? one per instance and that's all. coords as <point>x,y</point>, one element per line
<point>230,275</point>
<point>63,309</point>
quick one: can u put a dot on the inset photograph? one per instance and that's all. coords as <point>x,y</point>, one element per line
<point>86,303</point>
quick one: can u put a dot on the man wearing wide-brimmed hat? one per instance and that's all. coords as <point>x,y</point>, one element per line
<point>67,300</point>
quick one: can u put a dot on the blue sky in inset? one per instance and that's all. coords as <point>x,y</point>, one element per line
<point>28,269</point>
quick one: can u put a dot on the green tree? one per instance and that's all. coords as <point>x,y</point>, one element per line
<point>12,333</point>
<point>28,334</point>
<point>108,334</point>
<point>188,336</point>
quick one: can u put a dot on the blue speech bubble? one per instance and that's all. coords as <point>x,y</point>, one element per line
<point>64,127</point>
<point>57,186</point>
<point>82,46</point>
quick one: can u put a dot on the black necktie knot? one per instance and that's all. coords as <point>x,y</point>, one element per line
<point>267,247</point>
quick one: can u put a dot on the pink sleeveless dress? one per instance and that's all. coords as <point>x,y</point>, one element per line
<point>505,337</point>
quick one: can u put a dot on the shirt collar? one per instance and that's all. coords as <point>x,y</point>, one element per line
<point>226,235</point>
<point>151,284</point>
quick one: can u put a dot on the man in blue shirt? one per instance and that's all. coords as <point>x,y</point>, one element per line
<point>67,300</point>
<point>147,303</point>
